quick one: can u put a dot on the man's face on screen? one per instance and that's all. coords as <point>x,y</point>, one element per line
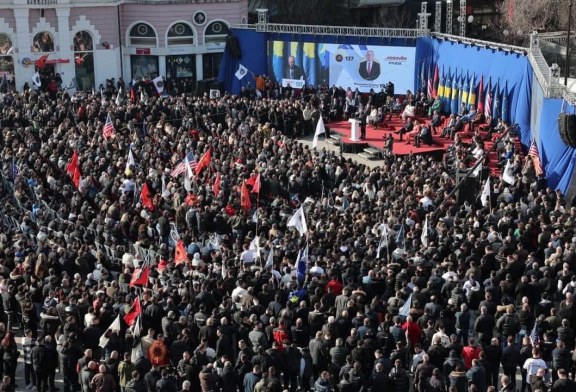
<point>369,55</point>
<point>290,61</point>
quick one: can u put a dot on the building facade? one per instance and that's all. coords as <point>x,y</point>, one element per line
<point>90,41</point>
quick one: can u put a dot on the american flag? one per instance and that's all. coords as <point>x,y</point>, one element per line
<point>534,336</point>
<point>181,167</point>
<point>535,155</point>
<point>488,102</point>
<point>108,129</point>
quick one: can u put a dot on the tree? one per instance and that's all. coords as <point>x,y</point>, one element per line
<point>522,17</point>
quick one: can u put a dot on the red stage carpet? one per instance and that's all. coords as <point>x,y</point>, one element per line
<point>376,138</point>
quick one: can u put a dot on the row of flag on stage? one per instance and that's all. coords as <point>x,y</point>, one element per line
<point>457,87</point>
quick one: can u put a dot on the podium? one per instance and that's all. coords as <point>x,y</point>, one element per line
<point>354,129</point>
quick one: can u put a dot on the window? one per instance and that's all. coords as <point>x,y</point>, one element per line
<point>181,66</point>
<point>180,34</point>
<point>216,33</point>
<point>6,64</point>
<point>142,34</point>
<point>43,42</point>
<point>211,64</point>
<point>84,60</point>
<point>144,67</point>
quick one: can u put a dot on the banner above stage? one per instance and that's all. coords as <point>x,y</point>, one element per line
<point>362,67</point>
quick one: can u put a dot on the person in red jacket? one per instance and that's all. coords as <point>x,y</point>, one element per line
<point>280,334</point>
<point>413,332</point>
<point>335,286</point>
<point>470,352</point>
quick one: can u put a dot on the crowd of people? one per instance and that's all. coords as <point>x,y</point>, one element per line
<point>387,282</point>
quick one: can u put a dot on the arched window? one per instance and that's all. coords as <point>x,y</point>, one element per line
<point>180,34</point>
<point>216,33</point>
<point>6,64</point>
<point>142,34</point>
<point>43,42</point>
<point>84,60</point>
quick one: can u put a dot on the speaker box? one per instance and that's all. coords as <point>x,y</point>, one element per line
<point>233,46</point>
<point>567,126</point>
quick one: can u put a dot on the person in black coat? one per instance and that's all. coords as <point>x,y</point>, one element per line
<point>477,375</point>
<point>399,377</point>
<point>510,359</point>
<point>151,378</point>
<point>493,357</point>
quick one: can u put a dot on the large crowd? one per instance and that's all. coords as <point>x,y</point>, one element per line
<point>393,283</point>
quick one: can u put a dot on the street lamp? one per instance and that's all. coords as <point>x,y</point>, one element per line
<point>567,64</point>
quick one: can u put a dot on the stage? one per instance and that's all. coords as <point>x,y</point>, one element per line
<point>375,138</point>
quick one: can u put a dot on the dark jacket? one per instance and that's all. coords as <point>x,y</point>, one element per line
<point>477,376</point>
<point>40,356</point>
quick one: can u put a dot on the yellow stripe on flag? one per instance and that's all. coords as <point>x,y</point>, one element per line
<point>278,48</point>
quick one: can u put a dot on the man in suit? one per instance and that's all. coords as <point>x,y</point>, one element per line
<point>293,71</point>
<point>369,69</point>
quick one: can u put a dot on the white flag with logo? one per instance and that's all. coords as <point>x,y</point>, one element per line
<point>478,170</point>
<point>36,80</point>
<point>242,71</point>
<point>270,259</point>
<point>508,174</point>
<point>320,129</point>
<point>383,241</point>
<point>130,160</point>
<point>158,84</point>
<point>485,196</point>
<point>298,220</point>
<point>118,100</point>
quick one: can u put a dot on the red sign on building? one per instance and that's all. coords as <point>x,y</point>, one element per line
<point>142,50</point>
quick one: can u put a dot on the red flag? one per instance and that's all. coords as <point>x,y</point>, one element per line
<point>480,107</point>
<point>132,95</point>
<point>162,265</point>
<point>256,186</point>
<point>73,164</point>
<point>204,161</point>
<point>180,253</point>
<point>77,177</point>
<point>135,311</point>
<point>41,62</point>
<point>216,186</point>
<point>145,197</point>
<point>245,197</point>
<point>140,277</point>
<point>436,81</point>
<point>252,180</point>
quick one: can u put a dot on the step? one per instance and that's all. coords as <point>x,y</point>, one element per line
<point>334,142</point>
<point>369,156</point>
<point>335,136</point>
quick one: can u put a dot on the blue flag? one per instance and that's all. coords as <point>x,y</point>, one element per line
<point>302,265</point>
<point>405,309</point>
<point>505,111</point>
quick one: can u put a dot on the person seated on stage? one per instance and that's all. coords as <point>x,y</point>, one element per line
<point>451,123</point>
<point>408,127</point>
<point>414,132</point>
<point>435,107</point>
<point>349,107</point>
<point>500,127</point>
<point>469,117</point>
<point>425,136</point>
<point>396,107</point>
<point>477,152</point>
<point>456,126</point>
<point>335,110</point>
<point>375,117</point>
<point>409,111</point>
<point>463,109</point>
<point>478,119</point>
<point>435,122</point>
<point>389,144</point>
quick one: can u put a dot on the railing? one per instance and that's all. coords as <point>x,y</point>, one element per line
<point>550,83</point>
<point>336,30</point>
<point>42,2</point>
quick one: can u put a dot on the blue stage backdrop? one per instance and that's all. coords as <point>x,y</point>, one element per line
<point>464,66</point>
<point>254,47</point>
<point>558,159</point>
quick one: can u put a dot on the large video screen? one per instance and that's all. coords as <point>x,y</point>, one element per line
<point>356,66</point>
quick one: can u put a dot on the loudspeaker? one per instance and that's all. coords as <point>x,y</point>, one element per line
<point>567,126</point>
<point>233,46</point>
